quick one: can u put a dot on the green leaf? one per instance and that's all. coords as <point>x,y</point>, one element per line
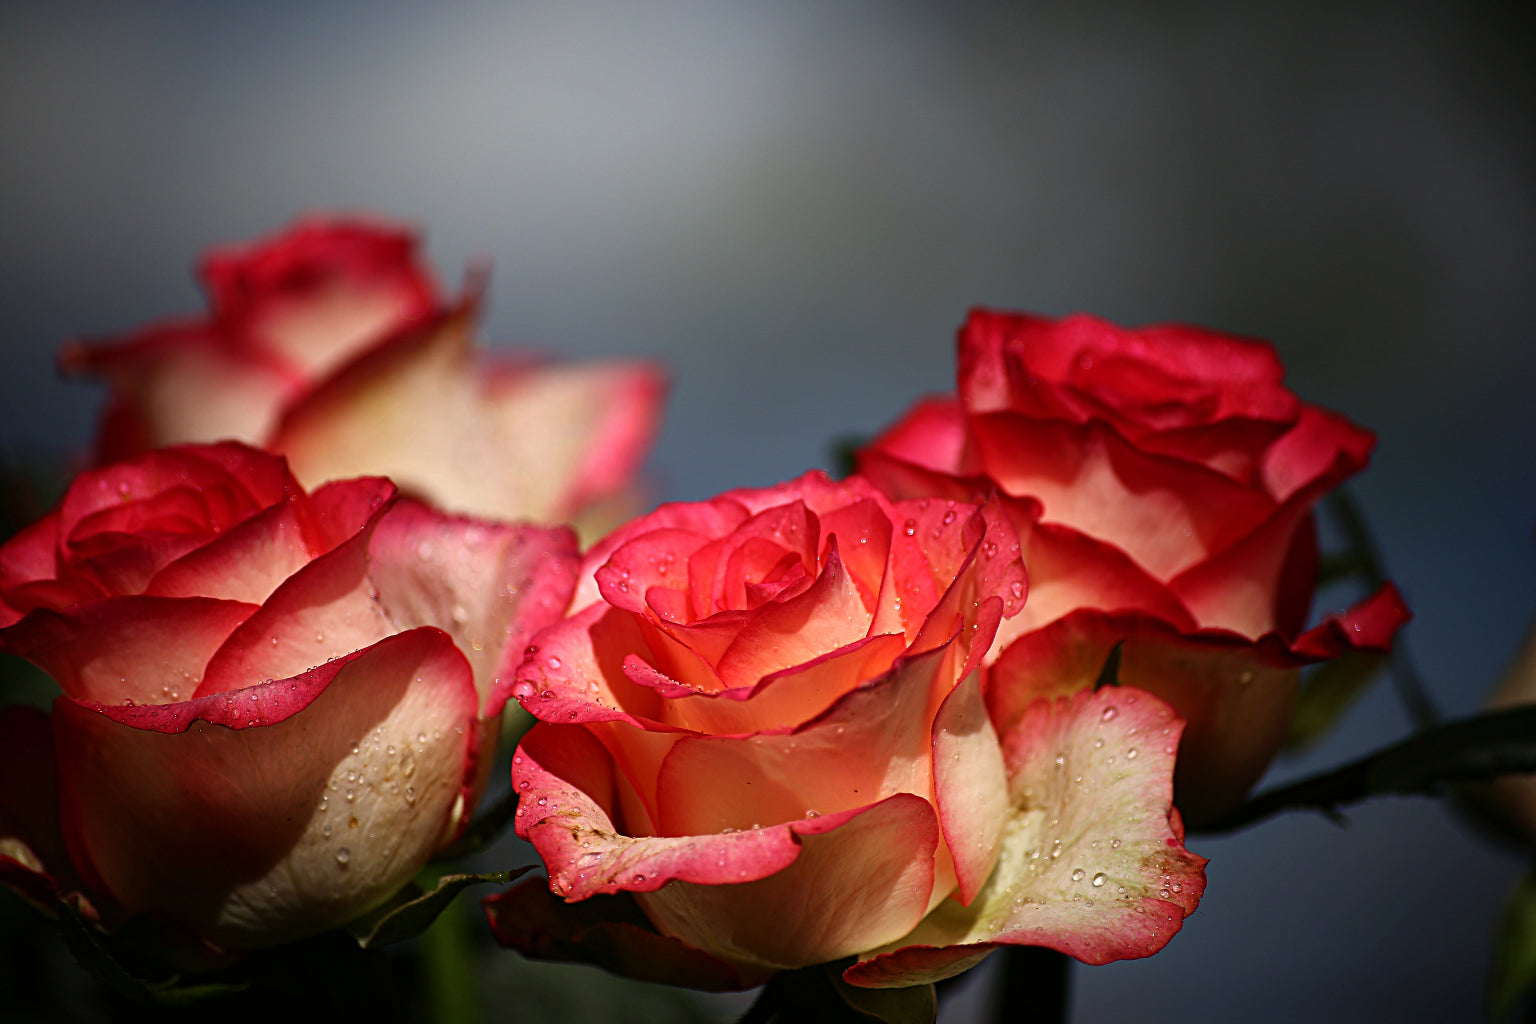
<point>1109,675</point>
<point>483,831</point>
<point>92,950</point>
<point>1514,954</point>
<point>1328,692</point>
<point>844,453</point>
<point>414,908</point>
<point>1339,566</point>
<point>1470,750</point>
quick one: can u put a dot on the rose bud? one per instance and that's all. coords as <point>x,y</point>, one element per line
<point>277,704</point>
<point>329,344</point>
<point>1162,482</point>
<point>763,720</point>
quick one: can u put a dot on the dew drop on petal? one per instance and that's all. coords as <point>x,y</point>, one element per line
<point>343,855</point>
<point>1099,879</point>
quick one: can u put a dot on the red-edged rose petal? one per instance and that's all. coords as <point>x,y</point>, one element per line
<point>143,650</point>
<point>1093,862</point>
<point>182,383</point>
<point>491,586</point>
<point>279,810</point>
<point>326,610</point>
<point>861,878</point>
<point>514,445</point>
<point>314,295</point>
<point>1166,514</point>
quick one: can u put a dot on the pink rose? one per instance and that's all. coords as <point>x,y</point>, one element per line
<point>276,704</point>
<point>763,719</point>
<point>1162,481</point>
<point>329,344</point>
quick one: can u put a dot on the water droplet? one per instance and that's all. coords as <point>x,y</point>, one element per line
<point>949,517</point>
<point>421,739</point>
<point>522,689</point>
<point>1078,873</point>
<point>989,549</point>
<point>909,527</point>
<point>343,855</point>
<point>459,614</point>
<point>1130,755</point>
<point>1061,760</point>
<point>543,800</point>
<point>1099,879</point>
<point>319,636</point>
<point>326,831</point>
<point>1114,844</point>
<point>1109,712</point>
<point>1016,588</point>
<point>638,879</point>
<point>553,663</point>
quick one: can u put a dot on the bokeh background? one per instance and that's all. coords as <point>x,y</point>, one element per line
<point>793,205</point>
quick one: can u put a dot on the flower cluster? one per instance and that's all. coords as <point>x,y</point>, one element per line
<point>962,699</point>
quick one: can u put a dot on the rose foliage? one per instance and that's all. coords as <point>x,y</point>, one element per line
<point>762,745</point>
<point>276,704</point>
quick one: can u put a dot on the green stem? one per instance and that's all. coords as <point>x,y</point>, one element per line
<point>1362,543</point>
<point>447,961</point>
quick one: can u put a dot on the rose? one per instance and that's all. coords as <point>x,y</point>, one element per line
<point>330,345</point>
<point>763,720</point>
<point>1162,481</point>
<point>276,704</point>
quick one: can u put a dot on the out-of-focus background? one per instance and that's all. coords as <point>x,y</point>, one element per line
<point>794,204</point>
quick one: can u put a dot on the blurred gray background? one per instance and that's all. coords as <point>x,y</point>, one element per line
<point>793,205</point>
